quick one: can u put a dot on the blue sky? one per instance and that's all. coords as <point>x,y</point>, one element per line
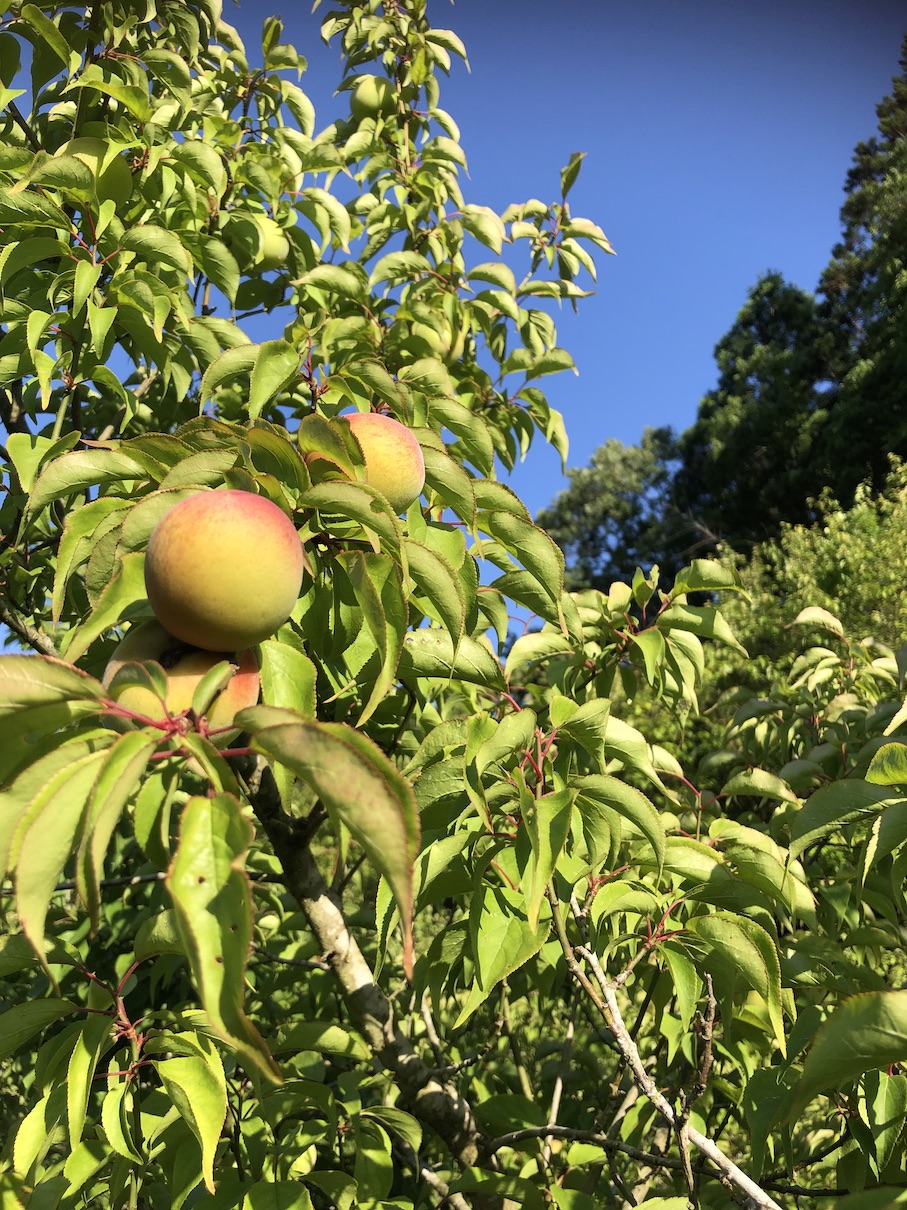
<point>717,132</point>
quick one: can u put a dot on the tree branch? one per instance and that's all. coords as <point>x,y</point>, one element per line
<point>436,1104</point>
<point>756,1196</point>
<point>28,633</point>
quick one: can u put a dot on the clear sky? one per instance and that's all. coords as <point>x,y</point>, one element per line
<point>717,132</point>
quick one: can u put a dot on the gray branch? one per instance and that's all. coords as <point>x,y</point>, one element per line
<point>436,1104</point>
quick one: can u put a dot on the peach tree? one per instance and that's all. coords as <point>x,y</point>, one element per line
<point>430,923</point>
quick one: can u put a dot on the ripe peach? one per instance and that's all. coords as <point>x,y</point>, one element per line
<point>185,666</point>
<point>223,569</point>
<point>393,457</point>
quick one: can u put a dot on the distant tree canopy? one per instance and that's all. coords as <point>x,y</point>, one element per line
<point>812,394</point>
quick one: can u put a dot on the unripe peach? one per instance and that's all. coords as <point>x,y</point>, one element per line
<point>372,97</point>
<point>275,247</point>
<point>113,180</point>
<point>392,455</point>
<point>185,666</point>
<point>223,569</point>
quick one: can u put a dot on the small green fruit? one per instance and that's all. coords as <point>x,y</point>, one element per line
<point>372,97</point>
<point>113,179</point>
<point>275,247</point>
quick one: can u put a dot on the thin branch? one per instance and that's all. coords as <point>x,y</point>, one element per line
<point>436,1104</point>
<point>756,1195</point>
<point>24,629</point>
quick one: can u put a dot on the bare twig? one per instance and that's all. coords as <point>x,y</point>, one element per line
<point>757,1197</point>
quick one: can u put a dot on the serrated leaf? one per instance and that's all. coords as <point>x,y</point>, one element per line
<point>213,903</point>
<point>44,841</point>
<point>29,681</point>
<point>439,585</point>
<point>833,807</point>
<point>746,949</point>
<point>547,820</point>
<point>867,1032</point>
<point>600,790</point>
<point>23,1021</point>
<point>276,365</point>
<point>358,785</point>
<point>377,583</point>
<point>126,588</point>
<point>759,783</point>
<point>322,1036</point>
<point>96,1033</point>
<point>430,652</point>
<point>814,616</point>
<point>198,1088</point>
<point>75,471</point>
<point>705,575</point>
<point>156,245</point>
<point>889,766</point>
<point>502,941</point>
<point>360,503</point>
<point>117,780</point>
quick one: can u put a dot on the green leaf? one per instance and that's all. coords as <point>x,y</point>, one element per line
<point>197,1086</point>
<point>428,652</point>
<point>760,784</point>
<point>814,616</point>
<point>596,791</point>
<point>502,941</point>
<point>23,1021</point>
<point>746,950</point>
<point>705,621</point>
<point>92,1040</point>
<point>547,821</point>
<point>833,807</point>
<point>358,785</point>
<point>322,1036</point>
<point>867,1032</point>
<point>27,681</point>
<point>287,678</point>
<point>44,841</point>
<point>126,588</point>
<point>156,246</point>
<point>360,503</point>
<point>213,902</point>
<point>439,585</point>
<point>889,766</point>
<point>118,779</point>
<point>705,575</point>
<point>228,366</point>
<point>377,583</point>
<point>276,365</point>
<point>886,1112</point>
<point>76,471</point>
<point>571,172</point>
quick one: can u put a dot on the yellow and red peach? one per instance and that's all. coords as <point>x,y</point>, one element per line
<point>393,457</point>
<point>184,666</point>
<point>223,569</point>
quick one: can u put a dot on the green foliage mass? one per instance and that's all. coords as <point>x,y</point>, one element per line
<point>450,920</point>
